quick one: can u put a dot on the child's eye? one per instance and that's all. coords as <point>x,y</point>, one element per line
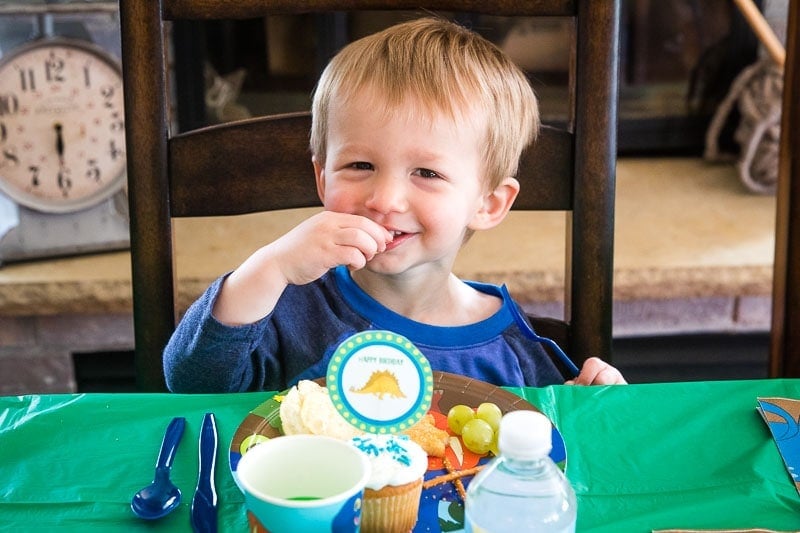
<point>426,173</point>
<point>361,165</point>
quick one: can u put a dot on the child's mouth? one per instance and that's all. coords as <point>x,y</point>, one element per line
<point>398,237</point>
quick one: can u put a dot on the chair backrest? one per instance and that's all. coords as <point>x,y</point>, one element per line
<point>785,338</point>
<point>570,169</point>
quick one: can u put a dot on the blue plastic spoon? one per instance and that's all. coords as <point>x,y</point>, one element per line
<point>161,496</point>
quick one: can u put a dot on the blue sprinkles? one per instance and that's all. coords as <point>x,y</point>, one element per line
<point>393,447</point>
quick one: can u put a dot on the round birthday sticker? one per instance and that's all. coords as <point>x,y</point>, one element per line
<point>380,382</point>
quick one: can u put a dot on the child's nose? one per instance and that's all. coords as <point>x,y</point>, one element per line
<point>388,194</point>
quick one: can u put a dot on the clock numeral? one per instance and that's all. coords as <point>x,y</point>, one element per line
<point>93,172</point>
<point>87,78</point>
<point>117,124</point>
<point>9,157</point>
<point>107,91</point>
<point>9,104</point>
<point>27,79</point>
<point>64,181</point>
<point>34,170</point>
<point>3,132</point>
<point>53,68</point>
<point>113,151</point>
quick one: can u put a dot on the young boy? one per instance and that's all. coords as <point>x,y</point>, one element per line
<point>416,136</point>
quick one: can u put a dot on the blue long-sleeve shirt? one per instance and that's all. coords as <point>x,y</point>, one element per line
<point>296,340</point>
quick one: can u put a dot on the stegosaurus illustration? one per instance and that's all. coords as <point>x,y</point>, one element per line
<point>380,383</point>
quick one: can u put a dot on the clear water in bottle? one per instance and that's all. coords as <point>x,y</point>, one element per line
<point>522,489</point>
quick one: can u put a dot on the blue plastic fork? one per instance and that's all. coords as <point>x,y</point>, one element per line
<point>531,334</point>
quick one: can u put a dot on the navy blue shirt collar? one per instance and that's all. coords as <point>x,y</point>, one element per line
<point>382,317</point>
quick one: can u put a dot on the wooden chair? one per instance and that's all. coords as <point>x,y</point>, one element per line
<point>785,337</point>
<point>176,175</point>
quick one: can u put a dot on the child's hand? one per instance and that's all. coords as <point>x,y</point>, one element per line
<point>321,242</point>
<point>595,371</point>
<point>326,240</point>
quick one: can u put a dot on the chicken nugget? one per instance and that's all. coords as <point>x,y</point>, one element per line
<point>432,439</point>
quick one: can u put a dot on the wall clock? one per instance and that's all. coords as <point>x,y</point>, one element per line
<point>62,147</point>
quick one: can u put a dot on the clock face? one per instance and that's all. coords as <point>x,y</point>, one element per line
<point>62,128</point>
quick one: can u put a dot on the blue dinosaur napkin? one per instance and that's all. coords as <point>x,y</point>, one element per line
<point>782,415</point>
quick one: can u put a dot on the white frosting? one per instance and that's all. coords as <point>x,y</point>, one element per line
<point>396,459</point>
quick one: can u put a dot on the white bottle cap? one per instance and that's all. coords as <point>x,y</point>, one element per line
<point>525,435</point>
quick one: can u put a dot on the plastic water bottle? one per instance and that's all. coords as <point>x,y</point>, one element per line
<point>522,489</point>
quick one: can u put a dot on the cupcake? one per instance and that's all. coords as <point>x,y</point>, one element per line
<point>392,494</point>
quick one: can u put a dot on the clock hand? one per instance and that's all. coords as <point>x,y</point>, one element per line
<point>64,183</point>
<point>59,142</point>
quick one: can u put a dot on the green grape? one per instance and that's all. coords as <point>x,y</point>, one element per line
<point>494,448</point>
<point>491,414</point>
<point>477,435</point>
<point>251,441</point>
<point>457,416</point>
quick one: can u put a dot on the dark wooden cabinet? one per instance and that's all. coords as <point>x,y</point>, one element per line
<point>678,60</point>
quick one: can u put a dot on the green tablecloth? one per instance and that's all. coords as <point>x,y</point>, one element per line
<point>641,457</point>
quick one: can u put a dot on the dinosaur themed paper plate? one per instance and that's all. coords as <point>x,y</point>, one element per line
<point>441,507</point>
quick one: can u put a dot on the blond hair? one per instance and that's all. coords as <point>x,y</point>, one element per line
<point>447,69</point>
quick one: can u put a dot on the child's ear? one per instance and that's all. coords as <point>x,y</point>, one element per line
<point>496,205</point>
<point>319,173</point>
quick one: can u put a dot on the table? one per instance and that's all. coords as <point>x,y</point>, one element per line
<point>641,457</point>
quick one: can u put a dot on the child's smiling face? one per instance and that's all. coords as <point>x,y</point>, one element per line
<point>418,175</point>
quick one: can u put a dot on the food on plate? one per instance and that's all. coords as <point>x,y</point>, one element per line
<point>457,416</point>
<point>432,439</point>
<point>491,414</point>
<point>477,436</point>
<point>307,408</point>
<point>450,464</point>
<point>477,427</point>
<point>454,475</point>
<point>392,495</point>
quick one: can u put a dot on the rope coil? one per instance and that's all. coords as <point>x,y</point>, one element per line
<point>758,90</point>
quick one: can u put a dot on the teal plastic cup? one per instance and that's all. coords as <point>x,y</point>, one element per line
<point>304,483</point>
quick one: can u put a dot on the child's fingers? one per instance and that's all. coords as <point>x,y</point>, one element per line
<point>330,238</point>
<point>379,234</point>
<point>361,240</point>
<point>352,258</point>
<point>595,371</point>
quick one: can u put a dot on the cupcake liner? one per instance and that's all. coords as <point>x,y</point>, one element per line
<point>392,509</point>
